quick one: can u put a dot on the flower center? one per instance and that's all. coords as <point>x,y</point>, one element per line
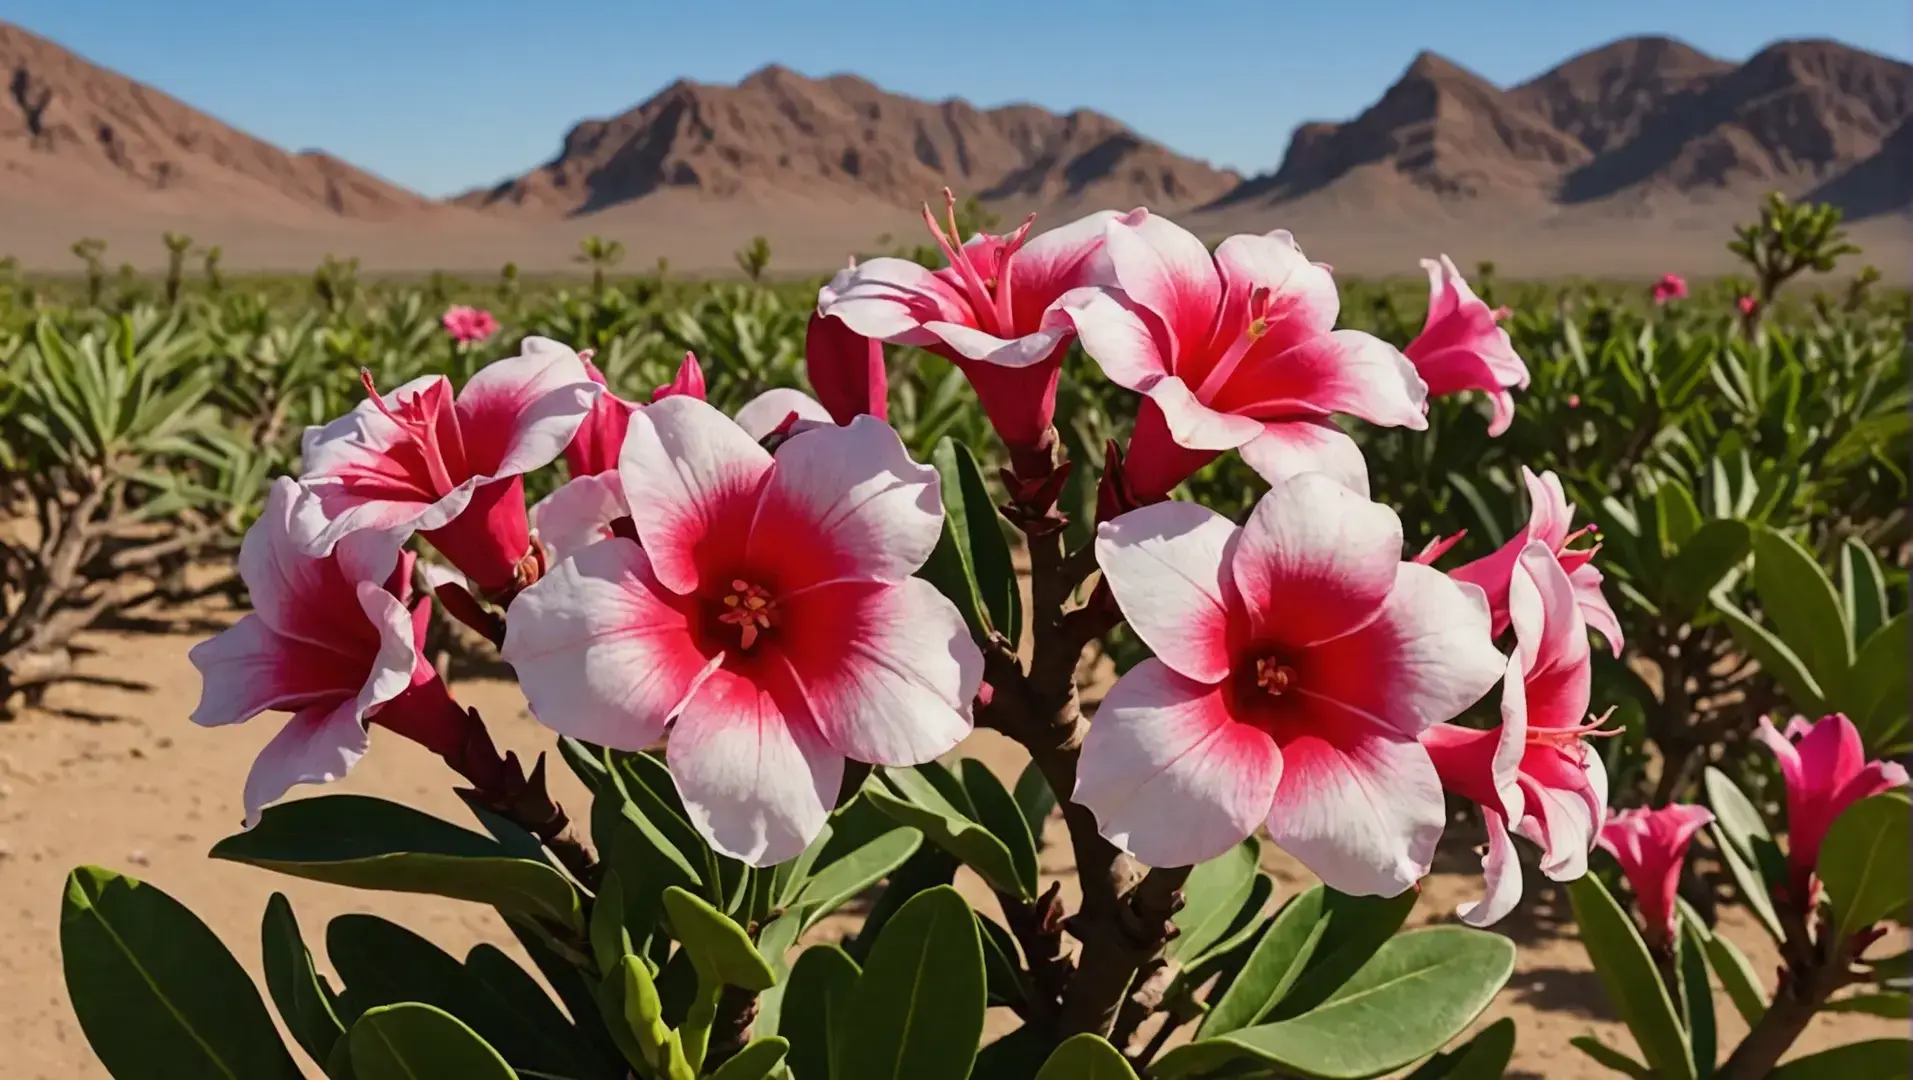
<point>419,424</point>
<point>1262,313</point>
<point>1567,741</point>
<point>751,609</point>
<point>986,286</point>
<point>1573,559</point>
<point>1273,676</point>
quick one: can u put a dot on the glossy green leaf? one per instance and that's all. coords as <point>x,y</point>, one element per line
<point>849,875</point>
<point>1863,862</point>
<point>1738,828</point>
<point>304,999</point>
<point>720,949</point>
<point>820,988</point>
<point>998,812</point>
<point>1881,1058</point>
<point>1357,926</point>
<point>1696,995</point>
<point>156,992</point>
<point>1679,517</point>
<point>1273,966</point>
<point>610,941</point>
<point>585,761</point>
<point>1215,892</point>
<point>1776,657</point>
<point>1703,561</point>
<point>1862,590</point>
<point>1086,1057</point>
<point>914,800</point>
<point>1628,975</point>
<point>918,1008</point>
<point>1614,1059</point>
<point>368,843</point>
<point>633,1013</point>
<point>418,1042</point>
<point>1420,990</point>
<point>1801,605</point>
<point>755,1061</point>
<point>1035,799</point>
<point>1250,916</point>
<point>1876,689</point>
<point>978,528</point>
<point>1002,963</point>
<point>1738,977</point>
<point>1484,1057</point>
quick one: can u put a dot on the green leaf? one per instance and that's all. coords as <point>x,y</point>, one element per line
<point>1002,969</point>
<point>820,988</point>
<point>1704,559</point>
<point>1420,990</point>
<point>1215,892</point>
<point>1802,606</point>
<point>1696,994</point>
<point>1086,1057</point>
<point>1034,797</point>
<point>720,949</point>
<point>918,1008</point>
<point>369,843</point>
<point>999,813</point>
<point>628,1000</point>
<point>304,998</point>
<point>156,992</point>
<point>1628,974</point>
<point>610,941</point>
<point>914,800</point>
<point>1357,927</point>
<point>1776,657</point>
<point>1737,830</point>
<point>971,515</point>
<point>850,874</point>
<point>1876,691</point>
<point>1606,1055</point>
<point>1862,590</point>
<point>1484,1057</point>
<point>755,1061</point>
<point>418,1042</point>
<point>1887,1006</point>
<point>1875,1057</point>
<point>1679,517</point>
<point>1273,966</point>
<point>586,762</point>
<point>1863,863</point>
<point>1738,977</point>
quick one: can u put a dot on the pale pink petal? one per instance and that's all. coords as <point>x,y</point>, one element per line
<point>1345,371</point>
<point>845,503</point>
<point>603,652</point>
<point>1551,637</point>
<point>691,478</point>
<point>1115,333</point>
<point>1291,447</point>
<point>364,437</point>
<point>1316,560</point>
<point>1196,426</point>
<point>391,667</point>
<point>247,669</point>
<point>1501,878</point>
<point>1565,820</point>
<point>1358,805</point>
<point>1170,776</point>
<point>329,512</point>
<point>1053,263</point>
<point>578,514</point>
<point>756,777</point>
<point>518,414</point>
<point>1164,268</point>
<point>890,299</point>
<point>1029,350</point>
<point>1303,302</point>
<point>287,586</point>
<point>887,671</point>
<point>765,413</point>
<point>318,745</point>
<point>1422,660</point>
<point>1595,608</point>
<point>1167,565</point>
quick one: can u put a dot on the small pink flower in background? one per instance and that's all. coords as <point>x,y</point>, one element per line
<point>1297,661</point>
<point>1574,401</point>
<point>1651,846</point>
<point>1460,347</point>
<point>1533,776</point>
<point>453,469</point>
<point>1235,351</point>
<point>1549,516</point>
<point>1670,287</point>
<point>1825,768</point>
<point>330,641</point>
<point>844,367</point>
<point>993,311</point>
<point>769,621</point>
<point>468,325</point>
<point>1747,305</point>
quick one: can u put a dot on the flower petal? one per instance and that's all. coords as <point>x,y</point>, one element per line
<point>1358,805</point>
<point>890,299</point>
<point>1163,267</point>
<point>518,414</point>
<point>1057,261</point>
<point>578,514</point>
<point>318,745</point>
<point>757,779</point>
<point>247,669</point>
<point>1291,447</point>
<point>1028,350</point>
<point>1197,426</point>
<point>1167,565</point>
<point>888,672</point>
<point>1302,295</point>
<point>603,652</point>
<point>1316,560</point>
<point>691,478</point>
<point>1595,608</point>
<point>1170,776</point>
<point>1552,639</point>
<point>296,594</point>
<point>1501,878</point>
<point>1345,371</point>
<point>1117,335</point>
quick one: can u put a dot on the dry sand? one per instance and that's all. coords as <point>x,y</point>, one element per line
<point>113,773</point>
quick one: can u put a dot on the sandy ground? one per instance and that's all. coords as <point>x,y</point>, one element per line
<point>113,773</point>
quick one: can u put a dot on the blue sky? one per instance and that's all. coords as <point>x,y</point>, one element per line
<point>443,95</point>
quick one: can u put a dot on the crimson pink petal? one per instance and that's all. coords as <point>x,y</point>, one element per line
<point>1163,268</point>
<point>1316,560</point>
<point>691,478</point>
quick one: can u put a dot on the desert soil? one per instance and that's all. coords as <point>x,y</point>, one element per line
<point>112,773</point>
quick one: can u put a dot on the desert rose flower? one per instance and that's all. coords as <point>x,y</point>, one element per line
<point>468,325</point>
<point>1670,287</point>
<point>1236,351</point>
<point>1825,768</point>
<point>418,460</point>
<point>1651,845</point>
<point>1747,305</point>
<point>1549,516</point>
<point>992,311</point>
<point>330,641</point>
<point>1460,347</point>
<point>769,622</point>
<point>1533,776</point>
<point>844,367</point>
<point>1297,660</point>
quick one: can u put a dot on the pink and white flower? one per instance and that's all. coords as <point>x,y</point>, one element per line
<point>1651,846</point>
<point>1533,776</point>
<point>1670,287</point>
<point>1460,347</point>
<point>1236,351</point>
<point>594,447</point>
<point>418,460</point>
<point>845,368</point>
<point>993,311</point>
<point>330,641</point>
<point>1825,768</point>
<point>769,622</point>
<point>468,325</point>
<point>1297,660</point>
<point>1549,516</point>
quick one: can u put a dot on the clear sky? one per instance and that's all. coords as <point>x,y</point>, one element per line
<point>444,95</point>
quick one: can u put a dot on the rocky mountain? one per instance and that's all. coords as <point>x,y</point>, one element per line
<point>71,129</point>
<point>842,137</point>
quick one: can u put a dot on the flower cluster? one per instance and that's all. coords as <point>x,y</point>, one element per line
<point>1670,287</point>
<point>468,325</point>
